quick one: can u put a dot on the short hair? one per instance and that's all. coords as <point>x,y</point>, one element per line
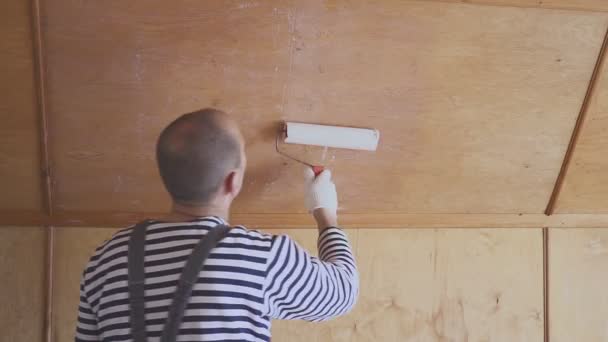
<point>194,153</point>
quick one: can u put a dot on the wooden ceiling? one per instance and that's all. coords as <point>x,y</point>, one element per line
<point>477,106</point>
<point>19,131</point>
<point>585,189</point>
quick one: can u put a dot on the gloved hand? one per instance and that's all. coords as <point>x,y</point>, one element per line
<point>320,191</point>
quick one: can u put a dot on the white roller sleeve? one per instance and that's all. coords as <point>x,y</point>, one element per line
<point>332,136</point>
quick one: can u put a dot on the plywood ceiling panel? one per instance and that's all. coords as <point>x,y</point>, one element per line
<point>585,186</point>
<point>464,113</point>
<point>22,274</point>
<point>578,259</point>
<point>19,160</point>
<point>119,72</point>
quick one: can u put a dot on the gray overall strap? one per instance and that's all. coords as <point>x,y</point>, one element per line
<point>136,277</point>
<point>188,278</point>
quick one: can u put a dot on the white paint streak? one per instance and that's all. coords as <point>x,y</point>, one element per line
<point>117,184</point>
<point>140,125</point>
<point>596,247</point>
<point>168,102</point>
<point>248,4</point>
<point>291,21</point>
<point>139,68</point>
<point>276,43</point>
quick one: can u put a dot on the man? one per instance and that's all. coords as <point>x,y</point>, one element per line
<point>247,280</point>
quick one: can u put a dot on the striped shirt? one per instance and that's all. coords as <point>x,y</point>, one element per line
<point>247,280</point>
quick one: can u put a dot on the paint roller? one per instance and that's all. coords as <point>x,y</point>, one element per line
<point>326,136</point>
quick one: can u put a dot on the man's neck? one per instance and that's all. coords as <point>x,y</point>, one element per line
<point>181,212</point>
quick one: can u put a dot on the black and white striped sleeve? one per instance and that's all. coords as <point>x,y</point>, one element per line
<point>300,286</point>
<point>86,326</point>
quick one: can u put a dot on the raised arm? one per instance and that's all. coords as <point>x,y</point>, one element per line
<point>300,286</point>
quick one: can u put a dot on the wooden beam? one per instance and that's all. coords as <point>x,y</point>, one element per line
<point>49,274</point>
<point>577,127</point>
<point>546,289</point>
<point>45,168</point>
<point>571,5</point>
<point>40,72</point>
<point>302,220</point>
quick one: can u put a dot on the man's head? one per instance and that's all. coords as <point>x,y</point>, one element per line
<point>201,158</point>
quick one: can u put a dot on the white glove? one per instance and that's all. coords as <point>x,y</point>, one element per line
<point>320,190</point>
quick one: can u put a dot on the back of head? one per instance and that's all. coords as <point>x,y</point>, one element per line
<point>195,153</point>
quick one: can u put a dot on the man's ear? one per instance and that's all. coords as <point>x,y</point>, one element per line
<point>232,183</point>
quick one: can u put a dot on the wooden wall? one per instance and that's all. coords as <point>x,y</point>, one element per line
<point>416,285</point>
<point>420,285</point>
<point>23,270</point>
<point>577,273</point>
<point>493,122</point>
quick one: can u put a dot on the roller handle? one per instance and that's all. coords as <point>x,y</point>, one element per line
<point>317,169</point>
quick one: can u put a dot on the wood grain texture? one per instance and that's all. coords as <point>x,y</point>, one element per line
<point>584,5</point>
<point>585,186</point>
<point>22,274</point>
<point>416,285</point>
<point>73,248</point>
<point>465,121</point>
<point>443,285</point>
<point>464,114</point>
<point>577,287</point>
<point>576,131</point>
<point>19,160</point>
<point>119,73</point>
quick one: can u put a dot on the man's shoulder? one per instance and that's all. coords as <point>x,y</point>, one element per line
<point>117,241</point>
<point>243,233</point>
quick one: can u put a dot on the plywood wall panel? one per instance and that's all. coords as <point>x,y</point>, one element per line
<point>22,284</point>
<point>73,248</point>
<point>442,285</point>
<point>416,285</point>
<point>19,160</point>
<point>465,121</point>
<point>585,186</point>
<point>578,260</point>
